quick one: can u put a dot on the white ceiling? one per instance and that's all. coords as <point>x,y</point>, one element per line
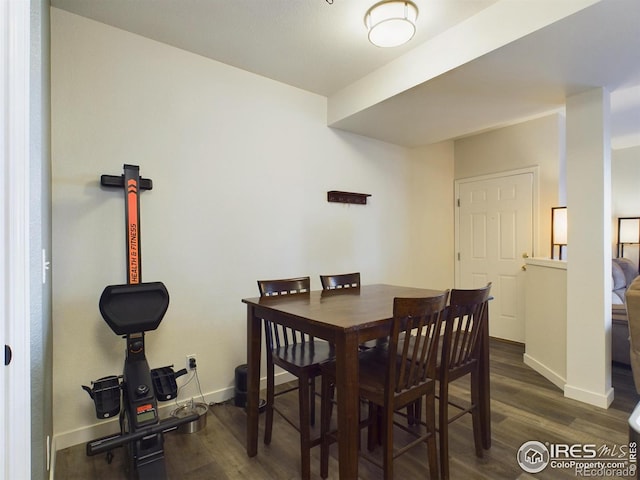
<point>532,63</point>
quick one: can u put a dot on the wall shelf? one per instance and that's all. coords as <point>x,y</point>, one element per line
<point>347,197</point>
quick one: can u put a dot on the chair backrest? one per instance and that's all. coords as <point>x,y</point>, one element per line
<point>277,335</point>
<point>344,280</point>
<point>416,350</point>
<point>286,286</point>
<point>464,326</point>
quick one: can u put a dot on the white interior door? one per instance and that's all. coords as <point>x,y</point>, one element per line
<point>495,232</point>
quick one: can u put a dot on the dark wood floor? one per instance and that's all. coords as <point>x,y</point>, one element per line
<point>524,405</point>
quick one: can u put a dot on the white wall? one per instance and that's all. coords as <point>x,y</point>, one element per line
<point>625,181</point>
<point>241,166</point>
<point>41,330</point>
<point>625,192</point>
<point>432,214</point>
<point>546,325</point>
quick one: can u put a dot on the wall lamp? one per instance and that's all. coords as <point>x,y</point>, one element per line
<point>558,230</point>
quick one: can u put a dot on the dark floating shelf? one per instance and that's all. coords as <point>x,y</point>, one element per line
<point>347,197</point>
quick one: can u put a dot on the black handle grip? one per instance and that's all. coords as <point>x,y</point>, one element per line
<point>8,355</point>
<point>118,181</point>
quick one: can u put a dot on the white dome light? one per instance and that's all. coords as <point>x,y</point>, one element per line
<point>391,23</point>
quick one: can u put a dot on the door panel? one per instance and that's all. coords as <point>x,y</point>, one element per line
<point>479,235</point>
<point>507,223</point>
<point>495,230</point>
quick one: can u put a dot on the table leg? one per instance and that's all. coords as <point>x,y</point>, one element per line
<point>485,390</point>
<point>348,405</point>
<point>254,336</point>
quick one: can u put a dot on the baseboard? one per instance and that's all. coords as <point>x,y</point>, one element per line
<point>575,393</point>
<point>558,380</point>
<point>90,432</point>
<point>586,396</point>
<point>506,340</point>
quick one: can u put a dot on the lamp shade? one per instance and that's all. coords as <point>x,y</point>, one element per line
<point>391,23</point>
<point>629,230</point>
<point>559,226</point>
<point>558,230</point>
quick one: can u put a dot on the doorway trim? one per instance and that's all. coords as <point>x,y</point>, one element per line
<point>14,229</point>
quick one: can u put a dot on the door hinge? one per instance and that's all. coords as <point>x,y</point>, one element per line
<point>458,202</point>
<point>458,256</point>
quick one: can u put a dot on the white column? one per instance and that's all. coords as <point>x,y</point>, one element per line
<point>589,249</point>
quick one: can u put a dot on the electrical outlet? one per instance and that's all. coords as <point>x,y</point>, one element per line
<point>191,361</point>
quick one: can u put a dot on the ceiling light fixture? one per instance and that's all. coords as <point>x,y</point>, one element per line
<point>391,22</point>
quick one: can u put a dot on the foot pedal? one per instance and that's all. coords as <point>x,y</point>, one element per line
<point>106,396</point>
<point>164,383</point>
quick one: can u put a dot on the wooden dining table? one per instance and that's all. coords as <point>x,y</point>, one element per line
<point>346,318</point>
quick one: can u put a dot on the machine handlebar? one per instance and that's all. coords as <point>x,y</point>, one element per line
<point>104,444</point>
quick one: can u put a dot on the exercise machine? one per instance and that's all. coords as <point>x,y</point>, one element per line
<point>130,310</point>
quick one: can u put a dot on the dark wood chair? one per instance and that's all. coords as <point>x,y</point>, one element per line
<point>389,382</point>
<point>343,280</point>
<point>461,356</point>
<point>300,355</point>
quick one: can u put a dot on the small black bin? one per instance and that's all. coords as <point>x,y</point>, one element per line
<point>240,398</point>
